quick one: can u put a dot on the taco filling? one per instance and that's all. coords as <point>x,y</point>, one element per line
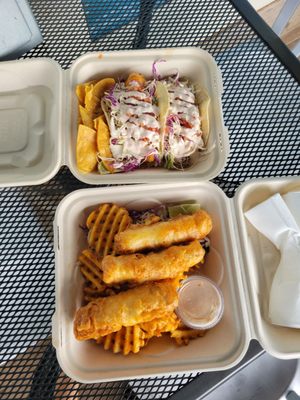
<point>159,122</point>
<point>183,136</point>
<point>132,115</point>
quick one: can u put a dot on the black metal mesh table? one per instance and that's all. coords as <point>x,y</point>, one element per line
<point>261,110</point>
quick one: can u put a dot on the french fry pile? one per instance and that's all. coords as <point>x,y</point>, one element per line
<point>103,224</point>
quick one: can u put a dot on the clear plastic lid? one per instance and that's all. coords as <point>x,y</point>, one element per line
<point>200,303</point>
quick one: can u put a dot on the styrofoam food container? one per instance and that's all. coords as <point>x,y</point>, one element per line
<point>39,114</point>
<point>248,258</point>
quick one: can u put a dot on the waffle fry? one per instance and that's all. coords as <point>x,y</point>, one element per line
<point>90,267</point>
<point>103,224</point>
<point>182,335</point>
<point>133,338</point>
<point>127,340</point>
<point>157,326</point>
<point>92,293</point>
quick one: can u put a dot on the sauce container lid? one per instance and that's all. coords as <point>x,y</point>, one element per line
<point>200,303</point>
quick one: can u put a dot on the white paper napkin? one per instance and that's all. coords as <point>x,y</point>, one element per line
<point>292,200</point>
<point>276,219</point>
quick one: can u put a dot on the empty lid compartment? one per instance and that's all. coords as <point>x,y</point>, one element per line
<point>261,259</point>
<point>30,121</point>
<point>195,64</point>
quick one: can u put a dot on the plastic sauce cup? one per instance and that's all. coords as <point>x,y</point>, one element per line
<point>200,303</point>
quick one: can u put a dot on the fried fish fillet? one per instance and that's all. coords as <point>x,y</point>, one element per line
<point>164,234</point>
<point>141,304</point>
<point>140,268</point>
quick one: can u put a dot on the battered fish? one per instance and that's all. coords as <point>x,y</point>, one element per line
<point>164,234</point>
<point>140,268</point>
<point>141,304</point>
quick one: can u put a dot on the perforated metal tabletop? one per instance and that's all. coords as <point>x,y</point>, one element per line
<point>261,110</point>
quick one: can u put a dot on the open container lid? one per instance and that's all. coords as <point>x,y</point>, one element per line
<point>39,114</point>
<point>259,259</point>
<point>31,113</point>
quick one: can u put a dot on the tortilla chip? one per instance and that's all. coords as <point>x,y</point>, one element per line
<point>94,95</point>
<point>88,96</point>
<point>80,93</point>
<point>86,117</point>
<point>86,149</point>
<point>87,88</point>
<point>103,86</point>
<point>103,141</point>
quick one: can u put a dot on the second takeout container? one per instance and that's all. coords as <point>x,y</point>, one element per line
<point>39,114</point>
<point>249,259</point>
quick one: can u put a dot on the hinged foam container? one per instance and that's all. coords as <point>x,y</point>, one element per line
<point>249,259</point>
<point>39,114</point>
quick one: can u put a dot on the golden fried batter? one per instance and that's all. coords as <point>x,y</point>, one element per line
<point>163,234</point>
<point>140,268</point>
<point>109,314</point>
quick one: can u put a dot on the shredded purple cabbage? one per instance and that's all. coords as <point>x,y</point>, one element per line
<point>157,160</point>
<point>116,141</point>
<point>152,89</point>
<point>138,217</point>
<point>155,73</point>
<point>172,119</point>
<point>130,165</point>
<point>111,97</point>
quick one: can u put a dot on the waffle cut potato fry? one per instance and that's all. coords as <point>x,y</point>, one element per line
<point>103,224</point>
<point>129,339</point>
<point>183,334</point>
<point>90,292</point>
<point>90,268</point>
<point>158,326</point>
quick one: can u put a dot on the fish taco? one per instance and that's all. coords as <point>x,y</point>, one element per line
<point>161,122</point>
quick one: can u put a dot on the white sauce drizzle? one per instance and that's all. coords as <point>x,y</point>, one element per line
<point>184,140</point>
<point>134,124</point>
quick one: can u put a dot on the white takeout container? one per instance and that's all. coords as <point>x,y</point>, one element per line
<point>249,259</point>
<point>39,114</point>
